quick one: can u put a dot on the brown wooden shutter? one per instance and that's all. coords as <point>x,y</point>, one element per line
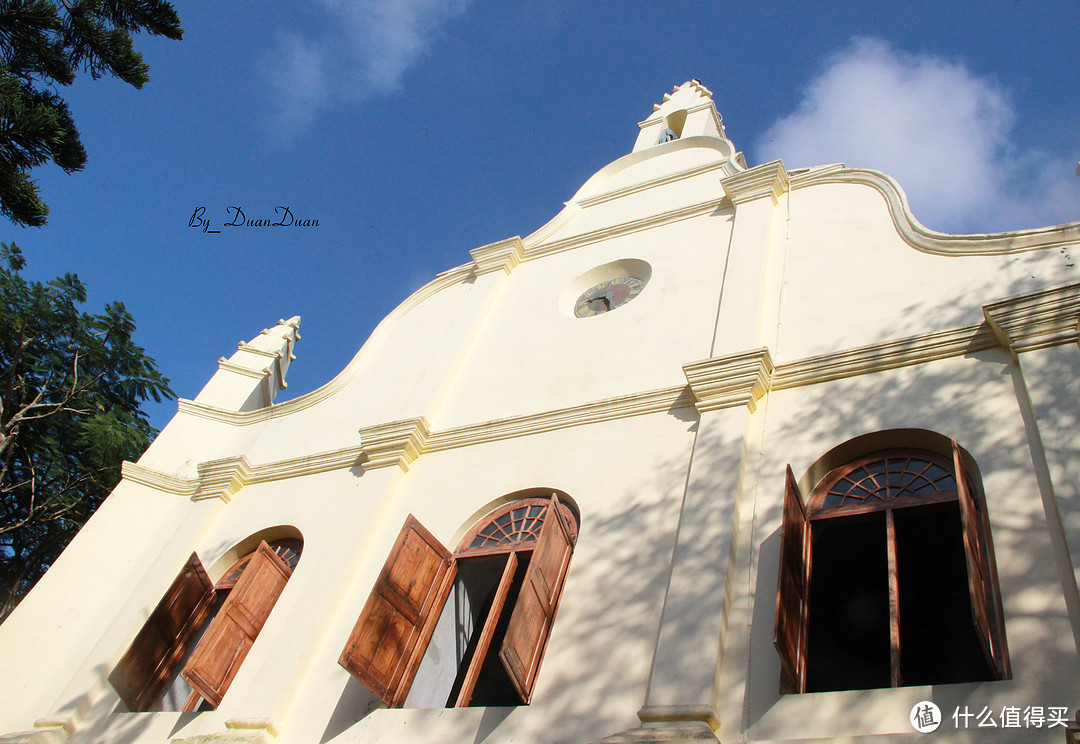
<point>146,666</point>
<point>389,639</point>
<point>530,622</point>
<point>793,590</point>
<point>233,631</point>
<point>982,573</point>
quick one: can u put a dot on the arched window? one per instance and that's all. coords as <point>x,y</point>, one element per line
<point>188,652</point>
<point>485,611</point>
<point>887,577</point>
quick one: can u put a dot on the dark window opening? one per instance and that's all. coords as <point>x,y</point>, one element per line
<point>477,586</point>
<point>849,605</point>
<point>934,647</point>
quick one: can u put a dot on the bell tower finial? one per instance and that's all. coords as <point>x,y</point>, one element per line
<point>687,111</point>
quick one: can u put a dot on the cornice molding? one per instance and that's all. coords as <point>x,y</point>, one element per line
<point>239,369</point>
<point>904,352</point>
<point>654,117</point>
<point>606,196</point>
<point>394,443</point>
<point>566,215</point>
<point>624,228</point>
<point>144,476</point>
<point>222,479</point>
<point>930,241</point>
<point>248,348</point>
<point>638,404</point>
<point>400,443</point>
<point>725,382</point>
<point>225,416</point>
<point>770,179</point>
<point>1036,321</point>
<point>319,462</point>
<point>504,255</point>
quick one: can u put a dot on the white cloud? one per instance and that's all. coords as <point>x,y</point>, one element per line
<point>371,45</point>
<point>298,80</point>
<point>940,131</point>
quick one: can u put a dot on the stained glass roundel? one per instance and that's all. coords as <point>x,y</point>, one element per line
<point>607,295</point>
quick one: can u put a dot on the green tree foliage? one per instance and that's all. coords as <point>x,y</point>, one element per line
<point>71,387</point>
<point>44,43</point>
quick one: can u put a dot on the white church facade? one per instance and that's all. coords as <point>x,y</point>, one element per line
<point>720,453</point>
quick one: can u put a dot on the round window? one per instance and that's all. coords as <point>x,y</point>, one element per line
<point>605,288</point>
<point>607,295</point>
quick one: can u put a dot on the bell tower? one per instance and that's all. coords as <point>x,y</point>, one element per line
<point>687,111</point>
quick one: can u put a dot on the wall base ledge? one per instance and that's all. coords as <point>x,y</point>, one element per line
<point>664,732</point>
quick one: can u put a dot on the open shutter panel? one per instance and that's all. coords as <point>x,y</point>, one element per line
<point>146,666</point>
<point>534,611</point>
<point>389,639</point>
<point>234,629</point>
<point>982,573</point>
<point>793,590</point>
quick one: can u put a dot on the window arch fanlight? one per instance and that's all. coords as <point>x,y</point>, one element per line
<point>470,627</point>
<point>188,652</point>
<point>288,549</point>
<point>873,481</point>
<point>887,576</point>
<point>513,525</point>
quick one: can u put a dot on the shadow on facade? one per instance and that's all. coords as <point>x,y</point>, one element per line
<point>982,400</point>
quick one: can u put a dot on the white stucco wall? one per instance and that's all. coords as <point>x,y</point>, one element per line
<point>855,320</point>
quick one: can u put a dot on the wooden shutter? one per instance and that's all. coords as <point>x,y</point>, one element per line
<point>146,666</point>
<point>793,590</point>
<point>389,639</point>
<point>233,631</point>
<point>982,573</point>
<point>534,611</point>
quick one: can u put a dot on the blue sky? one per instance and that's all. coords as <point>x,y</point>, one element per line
<point>416,130</point>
